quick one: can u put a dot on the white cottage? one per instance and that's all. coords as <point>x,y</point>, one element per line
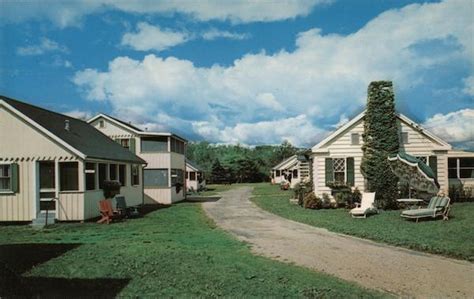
<point>164,154</point>
<point>296,166</point>
<point>337,158</point>
<point>56,163</point>
<point>194,177</point>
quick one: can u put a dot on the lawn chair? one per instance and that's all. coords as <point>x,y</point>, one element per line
<point>107,212</point>
<point>438,206</point>
<point>124,210</point>
<point>365,207</point>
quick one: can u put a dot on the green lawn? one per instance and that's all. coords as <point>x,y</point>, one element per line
<point>454,238</point>
<point>175,252</point>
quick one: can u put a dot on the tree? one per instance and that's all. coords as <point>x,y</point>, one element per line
<point>219,173</point>
<point>380,140</point>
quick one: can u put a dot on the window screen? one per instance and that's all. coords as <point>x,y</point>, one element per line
<point>155,177</point>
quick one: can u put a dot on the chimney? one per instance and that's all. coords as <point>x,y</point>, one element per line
<point>66,125</point>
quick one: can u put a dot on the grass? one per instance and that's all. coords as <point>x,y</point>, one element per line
<point>214,189</point>
<point>453,238</point>
<point>174,252</point>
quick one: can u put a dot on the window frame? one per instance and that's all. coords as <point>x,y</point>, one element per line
<point>122,180</point>
<point>166,170</point>
<point>334,171</point>
<point>101,123</point>
<point>88,172</point>
<point>9,177</point>
<point>167,148</point>
<point>404,140</point>
<point>352,139</point>
<point>458,168</point>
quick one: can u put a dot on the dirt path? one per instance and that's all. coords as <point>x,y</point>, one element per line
<point>400,271</point>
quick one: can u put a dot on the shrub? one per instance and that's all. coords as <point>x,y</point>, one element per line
<point>343,199</point>
<point>111,188</point>
<point>311,201</point>
<point>326,201</point>
<point>460,193</point>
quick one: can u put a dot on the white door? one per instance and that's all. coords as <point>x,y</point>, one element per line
<point>47,186</point>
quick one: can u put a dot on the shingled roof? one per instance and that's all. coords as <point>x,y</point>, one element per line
<point>80,136</point>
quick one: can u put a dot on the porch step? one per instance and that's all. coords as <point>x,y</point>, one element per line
<point>40,220</point>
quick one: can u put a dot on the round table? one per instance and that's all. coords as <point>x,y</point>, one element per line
<point>410,202</point>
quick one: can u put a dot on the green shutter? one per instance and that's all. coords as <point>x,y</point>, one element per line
<point>14,177</point>
<point>131,145</point>
<point>433,161</point>
<point>350,171</point>
<point>329,171</point>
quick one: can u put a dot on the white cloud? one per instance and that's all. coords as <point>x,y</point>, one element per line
<point>68,13</point>
<point>84,115</point>
<point>324,77</point>
<point>45,46</point>
<point>149,37</point>
<point>214,33</point>
<point>298,130</point>
<point>457,126</point>
<point>469,85</point>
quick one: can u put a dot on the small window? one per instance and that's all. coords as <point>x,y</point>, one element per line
<point>277,173</point>
<point>339,167</point>
<point>135,175</point>
<point>452,168</point>
<point>466,168</point>
<point>101,124</point>
<point>90,176</point>
<point>69,176</point>
<point>155,177</point>
<point>102,175</point>
<point>5,177</point>
<point>125,143</point>
<point>295,173</point>
<point>192,176</point>
<point>355,138</point>
<point>404,137</point>
<point>113,172</point>
<point>122,175</point>
<point>187,175</point>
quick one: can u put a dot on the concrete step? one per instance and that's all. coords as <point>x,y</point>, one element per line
<point>40,220</point>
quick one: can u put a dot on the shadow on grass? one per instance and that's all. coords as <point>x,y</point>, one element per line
<point>15,259</point>
<point>211,198</point>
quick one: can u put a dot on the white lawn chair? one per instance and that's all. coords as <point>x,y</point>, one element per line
<point>365,207</point>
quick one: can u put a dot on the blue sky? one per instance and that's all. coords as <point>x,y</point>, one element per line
<point>250,73</point>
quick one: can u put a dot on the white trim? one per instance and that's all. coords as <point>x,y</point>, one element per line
<point>129,129</point>
<point>280,165</point>
<point>42,129</point>
<point>444,145</point>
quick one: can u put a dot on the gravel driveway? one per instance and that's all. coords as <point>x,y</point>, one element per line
<point>395,270</point>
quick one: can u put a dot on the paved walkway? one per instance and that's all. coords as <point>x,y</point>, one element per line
<point>395,270</point>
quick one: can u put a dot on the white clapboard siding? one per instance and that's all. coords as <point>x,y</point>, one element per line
<point>161,195</point>
<point>19,206</point>
<point>70,206</point>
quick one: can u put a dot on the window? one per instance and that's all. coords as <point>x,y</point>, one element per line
<point>90,176</point>
<point>122,175</point>
<point>295,173</point>
<point>177,146</point>
<point>5,177</point>
<point>177,176</point>
<point>101,124</point>
<point>47,177</point>
<point>135,175</point>
<point>125,143</point>
<point>187,175</point>
<point>113,172</point>
<point>278,173</point>
<point>339,168</point>
<point>102,175</point>
<point>155,177</point>
<point>154,144</point>
<point>355,138</point>
<point>466,168</point>
<point>404,137</point>
<point>192,176</point>
<point>69,176</point>
<point>462,168</point>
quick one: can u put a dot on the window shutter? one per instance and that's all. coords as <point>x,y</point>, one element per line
<point>131,145</point>
<point>433,161</point>
<point>14,177</point>
<point>350,171</point>
<point>329,171</point>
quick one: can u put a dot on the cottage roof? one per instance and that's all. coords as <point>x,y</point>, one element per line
<point>80,137</point>
<point>193,165</point>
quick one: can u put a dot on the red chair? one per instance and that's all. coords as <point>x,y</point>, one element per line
<point>107,212</point>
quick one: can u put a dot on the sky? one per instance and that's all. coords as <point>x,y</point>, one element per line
<point>247,72</point>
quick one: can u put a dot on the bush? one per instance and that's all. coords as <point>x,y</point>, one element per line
<point>459,193</point>
<point>111,188</point>
<point>343,199</point>
<point>311,201</point>
<point>326,201</point>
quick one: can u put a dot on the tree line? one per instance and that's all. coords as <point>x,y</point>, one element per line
<point>238,163</point>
